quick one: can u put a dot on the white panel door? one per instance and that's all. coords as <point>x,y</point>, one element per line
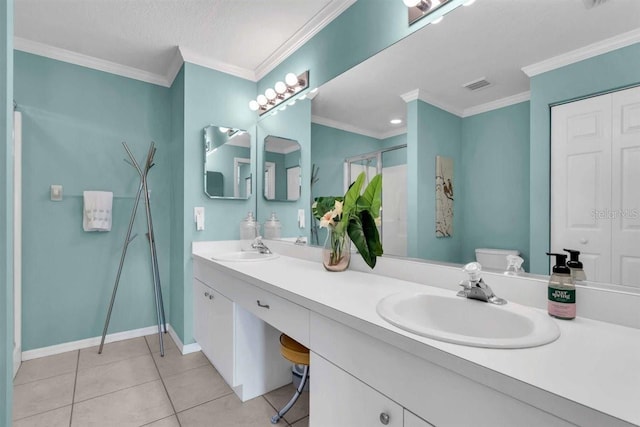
<point>625,214</point>
<point>394,210</point>
<point>581,182</point>
<point>293,183</point>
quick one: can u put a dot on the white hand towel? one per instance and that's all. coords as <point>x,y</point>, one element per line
<point>97,210</point>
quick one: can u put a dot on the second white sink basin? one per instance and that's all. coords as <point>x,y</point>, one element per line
<point>244,256</point>
<point>468,322</point>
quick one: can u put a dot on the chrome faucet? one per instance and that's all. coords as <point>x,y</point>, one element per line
<point>475,288</point>
<point>259,245</point>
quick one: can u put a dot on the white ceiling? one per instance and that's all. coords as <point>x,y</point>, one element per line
<point>140,38</point>
<point>494,39</point>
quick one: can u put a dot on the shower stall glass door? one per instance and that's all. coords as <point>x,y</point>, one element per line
<point>392,164</point>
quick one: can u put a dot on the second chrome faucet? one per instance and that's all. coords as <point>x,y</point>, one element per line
<point>476,288</point>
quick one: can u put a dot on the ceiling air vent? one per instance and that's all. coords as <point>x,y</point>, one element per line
<point>477,84</point>
<point>593,3</point>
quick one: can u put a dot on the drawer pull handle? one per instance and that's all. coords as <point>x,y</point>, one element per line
<point>384,418</point>
<point>206,294</point>
<point>262,305</point>
<point>210,296</point>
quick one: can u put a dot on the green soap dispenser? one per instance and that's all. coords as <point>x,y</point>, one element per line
<point>577,271</point>
<point>562,291</point>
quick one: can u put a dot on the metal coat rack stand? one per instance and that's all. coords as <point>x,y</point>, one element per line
<point>143,189</point>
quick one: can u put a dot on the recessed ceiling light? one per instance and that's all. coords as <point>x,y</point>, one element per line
<point>395,121</point>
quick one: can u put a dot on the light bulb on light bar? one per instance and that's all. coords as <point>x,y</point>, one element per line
<point>291,80</point>
<point>262,100</point>
<point>411,3</point>
<point>223,129</point>
<point>281,88</point>
<point>253,105</point>
<point>270,94</point>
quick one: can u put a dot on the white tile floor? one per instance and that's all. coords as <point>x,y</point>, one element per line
<point>129,384</point>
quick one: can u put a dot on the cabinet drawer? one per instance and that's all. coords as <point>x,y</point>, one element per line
<point>278,312</point>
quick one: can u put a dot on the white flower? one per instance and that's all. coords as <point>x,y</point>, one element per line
<point>337,208</point>
<point>327,219</point>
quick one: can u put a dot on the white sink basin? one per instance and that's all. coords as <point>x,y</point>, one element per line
<point>469,322</point>
<point>244,256</point>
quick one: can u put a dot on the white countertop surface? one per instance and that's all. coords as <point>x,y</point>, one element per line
<point>593,364</point>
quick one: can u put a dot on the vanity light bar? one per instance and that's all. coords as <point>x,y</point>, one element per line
<point>282,91</point>
<point>418,9</point>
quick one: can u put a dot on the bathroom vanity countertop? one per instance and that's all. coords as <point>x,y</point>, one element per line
<point>593,364</point>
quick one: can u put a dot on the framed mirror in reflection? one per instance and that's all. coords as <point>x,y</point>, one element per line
<point>227,163</point>
<point>282,169</point>
<point>521,59</point>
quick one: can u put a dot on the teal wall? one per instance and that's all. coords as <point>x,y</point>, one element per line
<point>176,231</point>
<point>292,123</point>
<point>6,213</point>
<point>74,120</point>
<point>367,27</point>
<point>495,178</point>
<point>602,73</point>
<point>209,97</point>
<point>329,148</point>
<point>432,132</point>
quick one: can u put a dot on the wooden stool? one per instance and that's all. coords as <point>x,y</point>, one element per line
<point>296,353</point>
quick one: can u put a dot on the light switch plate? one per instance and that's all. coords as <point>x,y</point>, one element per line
<point>198,217</point>
<point>56,193</point>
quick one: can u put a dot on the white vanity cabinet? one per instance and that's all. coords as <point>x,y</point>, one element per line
<point>411,420</point>
<point>339,399</point>
<point>213,328</point>
<point>238,326</point>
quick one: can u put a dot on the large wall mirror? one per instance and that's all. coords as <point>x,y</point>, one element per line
<point>227,163</point>
<point>476,88</point>
<point>282,169</point>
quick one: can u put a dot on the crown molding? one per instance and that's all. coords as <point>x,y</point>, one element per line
<point>394,132</point>
<point>174,66</point>
<point>432,100</point>
<point>234,70</point>
<point>344,126</point>
<point>595,49</point>
<point>498,103</point>
<point>70,57</point>
<point>303,35</point>
<point>411,96</point>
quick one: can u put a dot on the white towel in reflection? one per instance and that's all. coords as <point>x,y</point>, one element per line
<point>97,210</point>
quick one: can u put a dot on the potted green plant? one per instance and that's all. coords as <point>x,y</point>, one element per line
<point>352,218</point>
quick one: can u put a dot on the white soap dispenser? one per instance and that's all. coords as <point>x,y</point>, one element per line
<point>249,230</point>
<point>272,227</point>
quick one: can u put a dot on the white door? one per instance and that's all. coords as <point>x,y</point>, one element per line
<point>293,183</point>
<point>394,210</point>
<point>581,182</point>
<point>17,241</point>
<point>625,223</point>
<point>595,197</point>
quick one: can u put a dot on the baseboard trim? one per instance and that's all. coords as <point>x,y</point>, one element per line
<point>184,349</point>
<point>91,342</point>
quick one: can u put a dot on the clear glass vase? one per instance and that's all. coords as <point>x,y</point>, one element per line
<point>336,252</point>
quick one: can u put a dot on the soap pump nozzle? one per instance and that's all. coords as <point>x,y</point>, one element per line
<point>575,265</point>
<point>560,266</point>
